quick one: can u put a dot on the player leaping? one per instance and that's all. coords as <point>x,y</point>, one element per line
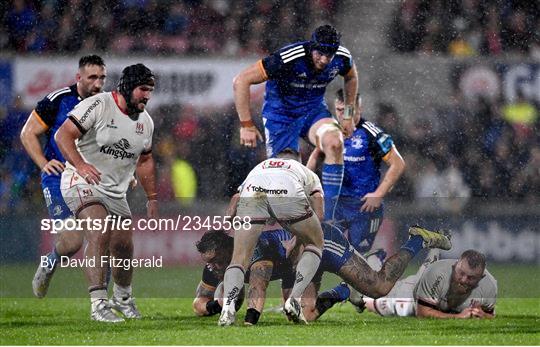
<point>294,104</point>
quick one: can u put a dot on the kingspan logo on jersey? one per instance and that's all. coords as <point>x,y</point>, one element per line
<point>118,150</point>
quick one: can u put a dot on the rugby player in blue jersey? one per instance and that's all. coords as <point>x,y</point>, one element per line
<point>276,252</point>
<point>45,119</point>
<point>359,209</point>
<point>297,76</point>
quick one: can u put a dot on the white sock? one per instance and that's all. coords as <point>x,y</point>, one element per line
<point>305,270</point>
<point>233,282</point>
<point>96,296</point>
<point>122,293</point>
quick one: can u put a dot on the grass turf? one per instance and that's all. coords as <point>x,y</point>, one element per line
<point>164,297</point>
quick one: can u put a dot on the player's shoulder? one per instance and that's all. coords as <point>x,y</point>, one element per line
<point>489,283</point>
<point>343,52</point>
<point>55,97</point>
<point>293,52</point>
<point>370,128</point>
<point>443,267</point>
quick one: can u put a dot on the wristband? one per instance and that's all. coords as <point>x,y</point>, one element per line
<point>348,113</point>
<point>247,123</point>
<point>152,196</point>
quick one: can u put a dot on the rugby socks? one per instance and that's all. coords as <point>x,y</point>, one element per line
<point>413,245</point>
<point>305,270</point>
<point>97,294</point>
<point>329,298</point>
<point>252,316</point>
<point>122,293</point>
<point>53,259</point>
<point>233,282</point>
<point>332,178</point>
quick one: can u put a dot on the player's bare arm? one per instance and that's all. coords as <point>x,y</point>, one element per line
<point>429,312</point>
<point>259,278</point>
<point>396,167</point>
<point>350,86</point>
<point>65,138</point>
<point>254,74</point>
<point>146,171</point>
<point>203,295</point>
<point>32,129</point>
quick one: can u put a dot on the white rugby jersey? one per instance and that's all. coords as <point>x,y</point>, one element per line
<point>292,168</point>
<point>433,286</point>
<point>111,140</point>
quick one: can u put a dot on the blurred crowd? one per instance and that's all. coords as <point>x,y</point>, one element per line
<point>466,27</point>
<point>223,27</point>
<point>477,148</point>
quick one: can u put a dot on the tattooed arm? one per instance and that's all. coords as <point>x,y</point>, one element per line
<point>259,278</point>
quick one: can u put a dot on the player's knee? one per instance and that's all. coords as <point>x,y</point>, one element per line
<point>199,306</point>
<point>332,143</point>
<point>121,247</point>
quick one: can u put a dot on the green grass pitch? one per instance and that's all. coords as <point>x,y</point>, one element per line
<point>164,297</point>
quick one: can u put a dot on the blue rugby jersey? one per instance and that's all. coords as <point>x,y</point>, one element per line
<point>52,111</point>
<point>294,88</point>
<point>362,156</point>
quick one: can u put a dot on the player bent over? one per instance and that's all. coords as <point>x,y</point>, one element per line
<point>448,288</point>
<point>46,118</point>
<point>216,248</point>
<point>285,191</point>
<point>106,139</point>
<point>340,258</point>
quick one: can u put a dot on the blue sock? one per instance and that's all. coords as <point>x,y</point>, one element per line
<point>332,178</point>
<point>414,245</point>
<point>53,259</point>
<point>329,298</point>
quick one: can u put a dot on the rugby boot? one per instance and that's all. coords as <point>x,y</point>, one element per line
<point>432,239</point>
<point>42,278</point>
<point>102,312</point>
<point>227,317</point>
<point>293,310</point>
<point>126,307</point>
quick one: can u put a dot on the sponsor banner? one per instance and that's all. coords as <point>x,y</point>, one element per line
<point>198,82</point>
<point>498,79</point>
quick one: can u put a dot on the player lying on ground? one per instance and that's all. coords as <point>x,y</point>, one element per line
<point>341,258</point>
<point>448,288</point>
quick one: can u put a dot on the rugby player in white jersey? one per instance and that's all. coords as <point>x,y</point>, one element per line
<point>285,191</point>
<point>447,288</point>
<point>107,138</point>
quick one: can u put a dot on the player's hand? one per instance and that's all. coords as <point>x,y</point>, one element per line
<point>348,127</point>
<point>249,136</point>
<point>133,183</point>
<point>53,167</point>
<point>477,312</point>
<point>89,173</point>
<point>371,202</point>
<point>466,313</point>
<point>152,209</point>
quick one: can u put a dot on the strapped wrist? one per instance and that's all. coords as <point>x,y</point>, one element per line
<point>247,123</point>
<point>348,113</point>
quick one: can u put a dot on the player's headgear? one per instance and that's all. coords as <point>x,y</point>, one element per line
<point>325,39</point>
<point>132,77</point>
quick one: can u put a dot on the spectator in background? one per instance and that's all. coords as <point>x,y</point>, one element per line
<point>521,114</point>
